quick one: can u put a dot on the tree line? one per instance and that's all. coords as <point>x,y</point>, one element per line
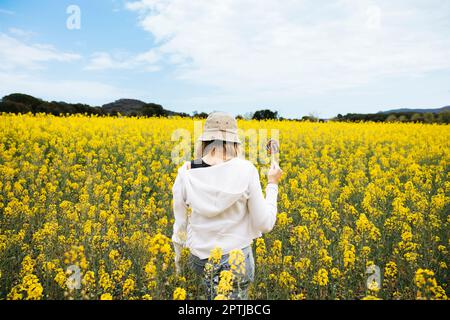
<point>22,103</point>
<point>429,117</point>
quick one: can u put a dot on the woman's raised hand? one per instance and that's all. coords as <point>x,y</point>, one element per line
<point>274,174</point>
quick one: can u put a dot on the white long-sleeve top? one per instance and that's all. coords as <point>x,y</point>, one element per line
<point>221,206</point>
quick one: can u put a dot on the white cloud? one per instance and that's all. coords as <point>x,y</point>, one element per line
<point>90,92</point>
<point>105,61</point>
<point>15,54</point>
<point>290,48</point>
<point>21,67</point>
<point>21,33</point>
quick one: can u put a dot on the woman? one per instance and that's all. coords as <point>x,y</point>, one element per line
<point>218,203</point>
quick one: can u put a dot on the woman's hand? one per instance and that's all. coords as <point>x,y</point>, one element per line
<point>274,174</point>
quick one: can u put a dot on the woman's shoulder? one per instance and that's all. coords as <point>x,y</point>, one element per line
<point>245,164</point>
<point>184,167</point>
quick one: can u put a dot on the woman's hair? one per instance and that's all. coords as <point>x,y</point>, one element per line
<point>227,149</point>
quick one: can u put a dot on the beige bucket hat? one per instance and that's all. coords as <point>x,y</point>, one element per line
<point>220,126</point>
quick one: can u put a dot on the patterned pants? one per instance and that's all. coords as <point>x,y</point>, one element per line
<point>210,281</point>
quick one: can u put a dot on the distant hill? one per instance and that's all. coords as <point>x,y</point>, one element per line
<point>443,109</point>
<point>133,107</point>
<point>22,103</point>
<point>124,106</point>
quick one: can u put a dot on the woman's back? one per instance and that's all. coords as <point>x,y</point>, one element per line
<point>226,205</point>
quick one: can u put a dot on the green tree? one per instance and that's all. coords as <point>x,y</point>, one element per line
<point>417,117</point>
<point>392,118</point>
<point>153,110</point>
<point>403,118</point>
<point>428,117</point>
<point>200,115</point>
<point>444,117</point>
<point>265,115</point>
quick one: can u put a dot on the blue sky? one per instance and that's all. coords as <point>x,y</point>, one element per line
<point>299,57</point>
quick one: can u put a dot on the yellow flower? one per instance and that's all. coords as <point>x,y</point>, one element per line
<point>225,285</point>
<point>302,233</point>
<point>287,260</point>
<point>411,256</point>
<point>215,256</point>
<point>325,258</point>
<point>61,278</point>
<point>303,264</point>
<point>275,258</point>
<point>335,273</point>
<point>373,286</point>
<point>27,265</point>
<point>260,251</point>
<point>105,280</point>
<point>88,282</point>
<point>321,277</point>
<point>407,236</point>
<point>370,297</point>
<point>106,296</point>
<point>349,257</point>
<point>299,296</point>
<point>32,286</point>
<point>283,219</point>
<point>442,249</point>
<point>427,286</point>
<point>179,294</point>
<point>287,281</point>
<point>114,255</point>
<point>390,270</point>
<point>150,270</point>
<point>128,287</point>
<point>365,251</point>
<point>237,261</point>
